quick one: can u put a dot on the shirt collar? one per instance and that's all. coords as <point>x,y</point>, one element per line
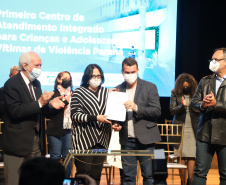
<point>26,80</point>
<point>222,79</point>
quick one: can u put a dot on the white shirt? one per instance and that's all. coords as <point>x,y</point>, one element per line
<point>131,94</point>
<point>27,81</point>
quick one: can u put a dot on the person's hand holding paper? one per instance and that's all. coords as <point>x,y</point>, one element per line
<point>130,105</point>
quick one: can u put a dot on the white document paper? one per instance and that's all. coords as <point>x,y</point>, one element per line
<point>115,109</point>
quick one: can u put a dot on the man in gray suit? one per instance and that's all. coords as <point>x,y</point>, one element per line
<point>139,131</point>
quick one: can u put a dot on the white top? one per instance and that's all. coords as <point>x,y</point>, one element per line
<point>27,81</point>
<point>131,94</point>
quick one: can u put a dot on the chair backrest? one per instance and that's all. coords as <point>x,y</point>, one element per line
<point>1,122</point>
<point>167,121</point>
<point>174,138</point>
<point>46,142</point>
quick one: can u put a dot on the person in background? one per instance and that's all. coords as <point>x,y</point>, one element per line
<point>90,128</point>
<point>88,180</point>
<point>210,101</point>
<point>23,134</point>
<point>59,127</point>
<point>180,108</point>
<point>13,71</point>
<point>41,171</point>
<point>139,131</point>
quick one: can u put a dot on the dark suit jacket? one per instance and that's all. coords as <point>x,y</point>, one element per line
<point>20,116</point>
<point>1,113</point>
<point>145,120</point>
<point>1,102</point>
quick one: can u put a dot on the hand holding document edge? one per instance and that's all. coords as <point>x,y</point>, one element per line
<point>115,108</point>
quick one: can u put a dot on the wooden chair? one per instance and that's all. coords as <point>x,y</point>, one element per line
<point>108,172</point>
<point>174,137</point>
<point>167,140</point>
<point>46,141</point>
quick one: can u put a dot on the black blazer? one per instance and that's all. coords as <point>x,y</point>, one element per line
<point>56,116</point>
<point>20,116</point>
<point>145,120</point>
<point>179,112</point>
<point>1,102</point>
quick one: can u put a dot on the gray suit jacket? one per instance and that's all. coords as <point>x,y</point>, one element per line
<point>145,120</point>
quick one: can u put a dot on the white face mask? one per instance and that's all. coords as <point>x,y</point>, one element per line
<point>130,78</point>
<point>95,82</point>
<point>215,66</point>
<point>34,74</point>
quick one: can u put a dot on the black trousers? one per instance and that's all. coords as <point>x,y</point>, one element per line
<point>90,165</point>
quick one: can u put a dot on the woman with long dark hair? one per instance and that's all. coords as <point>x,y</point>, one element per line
<point>180,108</point>
<point>90,128</point>
<point>59,128</point>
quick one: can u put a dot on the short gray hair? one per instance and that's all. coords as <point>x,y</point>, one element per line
<point>14,68</point>
<point>223,49</point>
<point>24,58</point>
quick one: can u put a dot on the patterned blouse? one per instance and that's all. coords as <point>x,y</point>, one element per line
<point>86,130</point>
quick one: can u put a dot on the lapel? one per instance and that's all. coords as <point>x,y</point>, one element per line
<point>24,86</point>
<point>219,92</point>
<point>139,86</point>
<point>37,89</point>
<point>223,84</point>
<point>212,83</point>
<point>123,87</point>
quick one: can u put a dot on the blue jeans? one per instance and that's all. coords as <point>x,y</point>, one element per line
<point>204,156</point>
<point>129,171</point>
<point>58,147</point>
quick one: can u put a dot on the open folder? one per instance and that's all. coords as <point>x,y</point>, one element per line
<point>115,109</point>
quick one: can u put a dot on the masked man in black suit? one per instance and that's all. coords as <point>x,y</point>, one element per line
<point>23,133</point>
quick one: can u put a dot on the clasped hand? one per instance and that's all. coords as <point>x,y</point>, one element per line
<point>116,127</point>
<point>45,97</point>
<point>55,103</point>
<point>209,100</point>
<point>183,101</point>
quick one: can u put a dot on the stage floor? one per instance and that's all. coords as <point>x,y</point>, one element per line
<point>212,177</point>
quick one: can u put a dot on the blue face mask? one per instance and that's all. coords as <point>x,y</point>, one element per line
<point>34,74</point>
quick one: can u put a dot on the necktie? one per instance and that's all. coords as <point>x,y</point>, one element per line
<point>33,97</point>
<point>31,91</point>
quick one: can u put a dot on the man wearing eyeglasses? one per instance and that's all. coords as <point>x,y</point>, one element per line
<point>210,100</point>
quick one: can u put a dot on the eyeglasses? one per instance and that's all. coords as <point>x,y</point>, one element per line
<point>96,76</point>
<point>218,60</point>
